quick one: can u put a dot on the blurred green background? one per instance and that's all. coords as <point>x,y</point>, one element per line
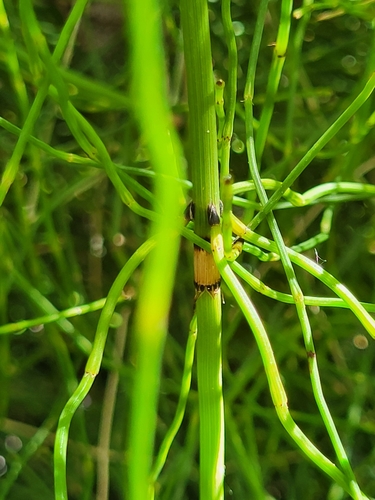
<point>64,235</point>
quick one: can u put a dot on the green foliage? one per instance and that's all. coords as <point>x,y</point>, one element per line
<point>98,385</point>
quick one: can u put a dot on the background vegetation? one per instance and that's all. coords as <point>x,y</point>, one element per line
<point>65,234</point>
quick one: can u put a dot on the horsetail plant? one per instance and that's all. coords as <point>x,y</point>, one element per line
<point>205,194</point>
<point>232,219</point>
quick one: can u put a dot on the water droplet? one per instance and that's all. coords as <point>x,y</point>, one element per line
<point>97,248</point>
<point>238,28</point>
<point>360,342</point>
<point>238,146</point>
<point>3,466</point>
<point>13,443</point>
<point>119,240</point>
<point>348,61</point>
<point>37,328</point>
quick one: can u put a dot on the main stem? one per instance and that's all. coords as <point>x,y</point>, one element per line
<point>205,176</point>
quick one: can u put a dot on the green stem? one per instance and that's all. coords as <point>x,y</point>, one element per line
<point>154,302</point>
<point>295,65</point>
<point>274,76</point>
<point>231,87</point>
<point>28,17</point>
<point>277,390</point>
<point>92,368</point>
<point>298,299</point>
<point>211,407</point>
<point>180,411</point>
<point>202,117</point>
<point>314,150</point>
<point>314,269</point>
<point>204,164</point>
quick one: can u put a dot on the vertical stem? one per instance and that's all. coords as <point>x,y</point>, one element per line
<point>231,87</point>
<point>274,76</point>
<point>205,176</point>
<point>211,412</point>
<point>151,318</point>
<point>202,118</point>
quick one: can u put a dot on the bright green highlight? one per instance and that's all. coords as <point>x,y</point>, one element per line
<point>151,321</point>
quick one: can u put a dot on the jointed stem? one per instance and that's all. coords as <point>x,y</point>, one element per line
<point>205,175</point>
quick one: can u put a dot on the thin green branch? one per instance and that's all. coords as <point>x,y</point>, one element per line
<point>314,150</point>
<point>92,368</point>
<point>181,405</point>
<point>28,17</point>
<point>108,410</point>
<point>252,150</point>
<point>314,269</point>
<point>260,287</point>
<point>278,59</point>
<point>231,87</point>
<point>277,390</point>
